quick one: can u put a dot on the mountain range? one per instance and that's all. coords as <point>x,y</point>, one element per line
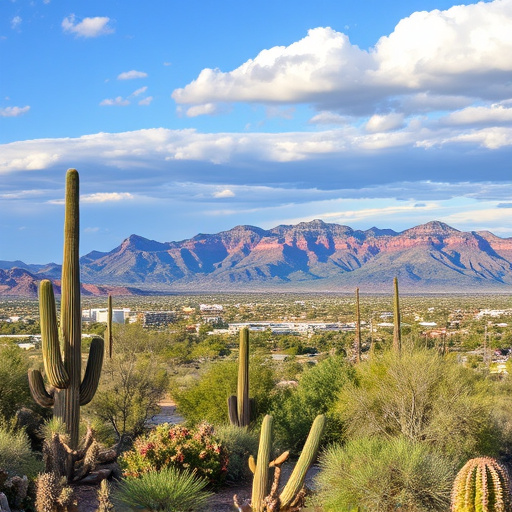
<point>309,256</point>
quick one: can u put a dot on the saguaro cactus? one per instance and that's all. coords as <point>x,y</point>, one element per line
<point>397,334</point>
<point>108,332</point>
<point>63,370</point>
<point>239,406</point>
<point>482,484</point>
<point>358,329</point>
<point>293,492</point>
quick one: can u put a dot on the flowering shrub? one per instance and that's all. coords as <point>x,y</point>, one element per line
<point>196,450</point>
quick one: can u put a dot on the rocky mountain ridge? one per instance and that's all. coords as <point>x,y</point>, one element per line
<point>314,256</point>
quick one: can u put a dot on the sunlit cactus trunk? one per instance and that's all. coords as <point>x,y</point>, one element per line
<point>397,334</point>
<point>67,400</point>
<point>358,328</point>
<point>239,406</point>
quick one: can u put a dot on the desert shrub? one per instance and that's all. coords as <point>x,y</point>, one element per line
<point>197,449</point>
<point>167,490</point>
<point>425,398</point>
<point>296,408</point>
<point>16,457</point>
<point>131,386</point>
<point>239,443</point>
<point>14,390</point>
<point>205,398</point>
<point>383,475</point>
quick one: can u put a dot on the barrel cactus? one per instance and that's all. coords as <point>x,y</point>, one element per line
<point>482,485</point>
<point>62,355</point>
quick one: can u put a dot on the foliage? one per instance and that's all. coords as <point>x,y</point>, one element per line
<point>198,450</point>
<point>16,456</point>
<point>167,490</point>
<point>131,388</point>
<point>240,443</point>
<point>482,484</point>
<point>383,475</point>
<point>205,398</point>
<point>425,398</point>
<point>14,392</point>
<point>296,408</point>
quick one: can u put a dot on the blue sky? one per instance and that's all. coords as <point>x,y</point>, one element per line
<point>188,117</point>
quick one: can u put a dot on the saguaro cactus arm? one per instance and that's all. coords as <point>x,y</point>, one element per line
<point>52,359</point>
<point>92,375</point>
<point>307,456</point>
<point>260,481</point>
<point>239,406</point>
<point>397,332</point>
<point>39,393</point>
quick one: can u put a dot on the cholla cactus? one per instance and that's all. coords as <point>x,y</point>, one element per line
<point>52,494</point>
<point>104,503</point>
<point>482,485</point>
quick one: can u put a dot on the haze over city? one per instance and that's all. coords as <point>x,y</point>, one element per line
<point>198,116</point>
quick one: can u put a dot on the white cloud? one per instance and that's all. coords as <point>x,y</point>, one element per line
<point>200,110</point>
<point>480,115</point>
<point>224,193</point>
<point>430,59</point>
<point>88,27</point>
<point>99,197</point>
<point>118,102</point>
<point>13,111</point>
<point>16,22</point>
<point>140,91</point>
<point>384,123</point>
<point>131,75</point>
<point>326,117</point>
<point>146,101</point>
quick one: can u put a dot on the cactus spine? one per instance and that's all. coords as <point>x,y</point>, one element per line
<point>63,370</point>
<point>482,484</point>
<point>260,482</point>
<point>358,328</point>
<point>239,406</point>
<point>397,334</point>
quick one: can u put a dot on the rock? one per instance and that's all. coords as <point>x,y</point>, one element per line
<point>95,477</point>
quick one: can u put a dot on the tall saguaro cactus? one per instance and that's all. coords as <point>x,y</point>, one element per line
<point>62,357</point>
<point>239,406</point>
<point>358,328</point>
<point>397,334</point>
<point>108,332</point>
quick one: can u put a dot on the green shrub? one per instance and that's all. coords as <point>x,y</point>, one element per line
<point>239,443</point>
<point>197,450</point>
<point>167,490</point>
<point>14,390</point>
<point>205,398</point>
<point>296,408</point>
<point>425,398</point>
<point>16,457</point>
<point>383,475</point>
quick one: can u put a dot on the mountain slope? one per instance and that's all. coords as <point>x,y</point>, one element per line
<point>309,256</point>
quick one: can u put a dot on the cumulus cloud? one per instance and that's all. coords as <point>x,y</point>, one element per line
<point>117,102</point>
<point>88,27</point>
<point>224,193</point>
<point>430,59</point>
<point>480,115</point>
<point>131,75</point>
<point>200,110</point>
<point>385,123</point>
<point>13,111</point>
